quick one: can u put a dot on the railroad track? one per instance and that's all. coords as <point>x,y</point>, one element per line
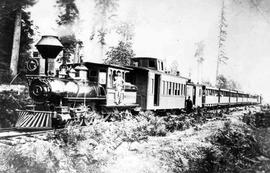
<point>14,132</point>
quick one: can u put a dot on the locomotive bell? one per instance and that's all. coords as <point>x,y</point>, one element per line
<point>49,46</point>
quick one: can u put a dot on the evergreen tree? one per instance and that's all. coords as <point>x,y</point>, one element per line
<point>225,83</point>
<point>120,55</point>
<point>15,34</point>
<point>69,13</point>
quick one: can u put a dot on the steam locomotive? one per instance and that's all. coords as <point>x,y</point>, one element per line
<point>77,91</point>
<point>73,91</point>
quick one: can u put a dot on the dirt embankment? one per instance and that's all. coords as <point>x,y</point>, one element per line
<point>145,143</point>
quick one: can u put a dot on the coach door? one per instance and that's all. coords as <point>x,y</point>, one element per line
<point>156,90</point>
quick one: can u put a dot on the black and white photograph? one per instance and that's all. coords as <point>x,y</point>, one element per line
<point>135,86</point>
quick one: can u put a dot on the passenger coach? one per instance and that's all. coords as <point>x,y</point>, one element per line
<point>157,88</point>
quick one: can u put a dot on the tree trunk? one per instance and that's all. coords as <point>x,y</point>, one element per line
<point>16,43</point>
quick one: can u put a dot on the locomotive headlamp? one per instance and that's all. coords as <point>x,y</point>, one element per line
<point>32,65</point>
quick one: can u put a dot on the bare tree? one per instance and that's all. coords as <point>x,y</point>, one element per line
<point>126,30</point>
<point>199,53</point>
<point>17,7</point>
<point>222,58</point>
<point>105,12</point>
<point>16,43</point>
<point>174,67</point>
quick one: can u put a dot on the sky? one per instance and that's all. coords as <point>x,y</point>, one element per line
<point>170,29</point>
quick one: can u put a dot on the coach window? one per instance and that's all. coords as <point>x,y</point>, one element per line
<point>152,63</point>
<point>93,76</point>
<point>77,74</point>
<point>170,88</point>
<point>173,88</point>
<point>162,66</point>
<point>167,87</point>
<point>144,63</point>
<point>110,78</point>
<point>178,86</point>
<point>124,76</point>
<point>113,77</point>
<point>200,92</point>
<point>182,91</point>
<point>164,89</point>
<point>152,85</point>
<point>102,77</point>
<point>177,91</point>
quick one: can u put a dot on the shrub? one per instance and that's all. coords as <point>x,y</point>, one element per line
<point>236,148</point>
<point>9,102</point>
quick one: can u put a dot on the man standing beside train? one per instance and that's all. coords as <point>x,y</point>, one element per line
<point>188,105</point>
<point>119,85</point>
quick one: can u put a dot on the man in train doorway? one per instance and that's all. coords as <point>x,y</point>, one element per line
<point>189,105</point>
<point>119,84</point>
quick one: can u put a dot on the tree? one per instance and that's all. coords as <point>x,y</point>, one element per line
<point>222,82</point>
<point>233,85</point>
<point>16,42</point>
<point>222,58</point>
<point>174,67</point>
<point>207,83</point>
<point>69,13</point>
<point>199,58</point>
<point>120,55</point>
<point>225,83</point>
<point>105,12</point>
<point>69,44</point>
<point>15,34</point>
<point>126,31</point>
